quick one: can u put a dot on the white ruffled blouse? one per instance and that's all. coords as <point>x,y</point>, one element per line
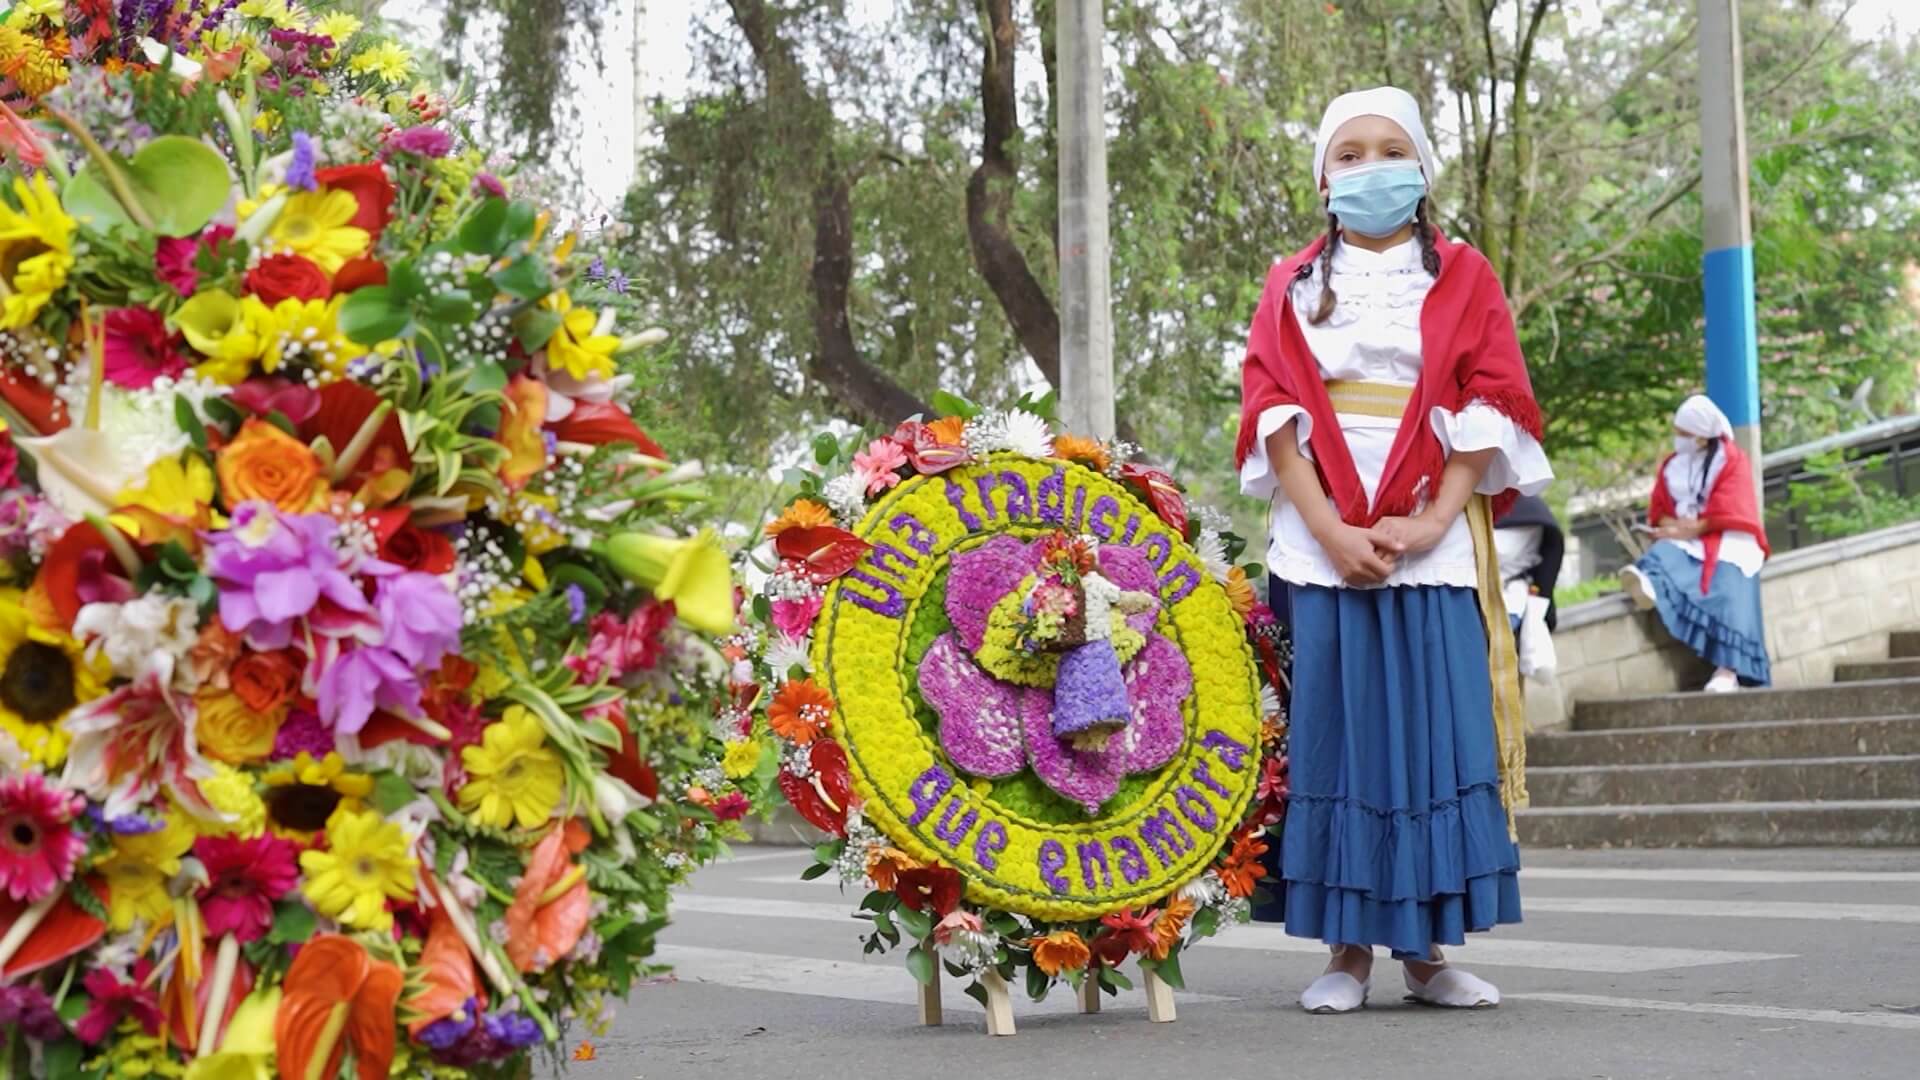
<point>1373,335</point>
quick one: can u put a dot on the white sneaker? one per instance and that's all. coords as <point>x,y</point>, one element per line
<point>1723,682</point>
<point>1335,992</point>
<point>1451,988</point>
<point>1638,588</point>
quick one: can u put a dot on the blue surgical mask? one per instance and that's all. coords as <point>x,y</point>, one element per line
<point>1377,199</point>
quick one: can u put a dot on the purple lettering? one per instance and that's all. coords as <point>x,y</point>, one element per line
<point>1133,865</point>
<point>1133,527</point>
<point>984,484</point>
<point>1186,576</point>
<point>889,603</point>
<point>991,842</point>
<point>1019,496</point>
<point>1105,509</point>
<point>917,536</point>
<point>1053,859</point>
<point>926,792</point>
<point>1166,837</point>
<point>883,552</point>
<point>1231,754</point>
<point>1204,776</point>
<point>948,831</point>
<point>1079,509</point>
<point>957,496</point>
<point>1053,497</point>
<point>1091,852</point>
<point>1203,817</point>
<point>1161,543</point>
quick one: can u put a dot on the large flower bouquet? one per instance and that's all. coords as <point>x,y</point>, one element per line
<point>985,652</point>
<point>354,640</point>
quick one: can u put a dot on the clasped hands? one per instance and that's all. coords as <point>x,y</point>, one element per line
<point>1369,556</point>
<point>1680,529</point>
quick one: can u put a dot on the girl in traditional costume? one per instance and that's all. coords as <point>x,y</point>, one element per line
<point>1387,415</point>
<point>1703,571</point>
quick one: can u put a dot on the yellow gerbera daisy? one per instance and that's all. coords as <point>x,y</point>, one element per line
<point>138,868</point>
<point>512,775</point>
<point>742,757</point>
<point>318,225</point>
<point>365,863</point>
<point>36,249</point>
<point>388,60</point>
<point>339,26</point>
<point>575,348</point>
<point>309,330</point>
<point>43,675</point>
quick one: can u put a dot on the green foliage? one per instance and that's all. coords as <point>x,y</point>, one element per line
<point>1839,502</point>
<point>1590,589</point>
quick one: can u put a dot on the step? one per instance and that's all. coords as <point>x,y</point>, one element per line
<point>1727,742</point>
<point>1908,668</point>
<point>1904,644</point>
<point>1794,779</point>
<point>1885,697</point>
<point>1866,823</point>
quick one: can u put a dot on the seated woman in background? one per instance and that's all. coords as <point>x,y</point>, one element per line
<point>1703,571</point>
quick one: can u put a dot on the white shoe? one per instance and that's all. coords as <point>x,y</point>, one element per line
<point>1451,988</point>
<point>1638,588</point>
<point>1723,682</point>
<point>1335,992</point>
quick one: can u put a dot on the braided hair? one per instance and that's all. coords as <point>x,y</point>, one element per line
<point>1423,231</point>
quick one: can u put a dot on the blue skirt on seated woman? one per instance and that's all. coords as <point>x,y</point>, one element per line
<point>1724,627</point>
<point>1394,834</point>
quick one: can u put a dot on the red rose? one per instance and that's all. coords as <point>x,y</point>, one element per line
<point>358,273</point>
<point>288,277</point>
<point>370,188</point>
<point>266,681</point>
<point>419,549</point>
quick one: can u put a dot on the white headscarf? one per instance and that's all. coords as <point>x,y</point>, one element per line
<point>1692,473</point>
<point>1700,417</point>
<point>1391,102</point>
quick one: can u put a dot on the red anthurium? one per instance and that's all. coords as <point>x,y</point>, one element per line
<point>600,423</point>
<point>357,274</point>
<point>627,765</point>
<point>80,569</point>
<point>823,797</point>
<point>825,550</point>
<point>932,889</point>
<point>34,401</point>
<point>1161,492</point>
<point>344,406</point>
<point>64,931</point>
<point>930,458</point>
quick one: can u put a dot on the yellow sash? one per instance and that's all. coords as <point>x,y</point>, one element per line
<point>1509,715</point>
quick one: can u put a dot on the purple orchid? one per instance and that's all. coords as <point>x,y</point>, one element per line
<point>275,569</point>
<point>421,618</point>
<point>362,680</point>
<point>993,729</point>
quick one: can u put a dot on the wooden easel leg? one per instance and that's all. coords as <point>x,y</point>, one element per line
<point>1159,1000</point>
<point>999,1004</point>
<point>930,1013</point>
<point>1090,990</point>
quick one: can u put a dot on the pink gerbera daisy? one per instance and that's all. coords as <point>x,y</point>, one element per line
<point>879,464</point>
<point>244,877</point>
<point>38,843</point>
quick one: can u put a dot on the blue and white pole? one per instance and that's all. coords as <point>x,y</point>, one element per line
<point>1733,357</point>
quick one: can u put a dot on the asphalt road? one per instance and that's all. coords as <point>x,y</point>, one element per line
<point>1683,964</point>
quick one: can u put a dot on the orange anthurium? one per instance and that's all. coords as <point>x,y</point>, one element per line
<point>551,908</point>
<point>337,996</point>
<point>520,431</point>
<point>447,976</point>
<point>62,930</point>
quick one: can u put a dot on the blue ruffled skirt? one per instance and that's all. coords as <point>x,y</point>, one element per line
<point>1724,627</point>
<point>1394,833</point>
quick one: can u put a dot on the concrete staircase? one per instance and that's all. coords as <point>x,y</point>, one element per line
<point>1818,765</point>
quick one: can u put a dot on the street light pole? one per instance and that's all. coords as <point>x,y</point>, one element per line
<point>1086,322</point>
<point>1733,360</point>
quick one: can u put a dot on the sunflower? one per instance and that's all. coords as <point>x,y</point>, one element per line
<point>303,794</point>
<point>43,675</point>
<point>574,347</point>
<point>138,867</point>
<point>512,775</point>
<point>319,225</point>
<point>36,250</point>
<point>364,864</point>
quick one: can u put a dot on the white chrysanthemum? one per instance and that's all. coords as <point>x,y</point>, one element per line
<point>132,635</point>
<point>1027,435</point>
<point>1204,891</point>
<point>1269,701</point>
<point>785,653</point>
<point>1212,551</point>
<point>847,496</point>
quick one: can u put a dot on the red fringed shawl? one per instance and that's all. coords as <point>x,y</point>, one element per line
<point>1469,353</point>
<point>1730,505</point>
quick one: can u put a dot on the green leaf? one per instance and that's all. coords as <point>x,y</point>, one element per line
<point>1038,983</point>
<point>63,1057</point>
<point>537,327</point>
<point>920,965</point>
<point>1169,970</point>
<point>224,412</point>
<point>1206,923</point>
<point>817,870</point>
<point>953,405</point>
<point>485,231</point>
<point>406,282</point>
<point>178,181</point>
<point>917,924</point>
<point>762,607</point>
<point>525,279</point>
<point>825,448</point>
<point>293,923</point>
<point>1114,979</point>
<point>977,992</point>
<point>521,218</point>
<point>455,307</point>
<point>372,315</point>
<point>486,378</point>
<point>189,421</point>
<point>829,851</point>
<point>391,791</point>
<point>280,420</point>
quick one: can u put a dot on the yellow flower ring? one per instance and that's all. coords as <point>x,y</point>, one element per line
<point>1145,842</point>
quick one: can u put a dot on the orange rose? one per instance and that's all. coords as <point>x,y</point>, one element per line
<point>230,731</point>
<point>265,681</point>
<point>265,463</point>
